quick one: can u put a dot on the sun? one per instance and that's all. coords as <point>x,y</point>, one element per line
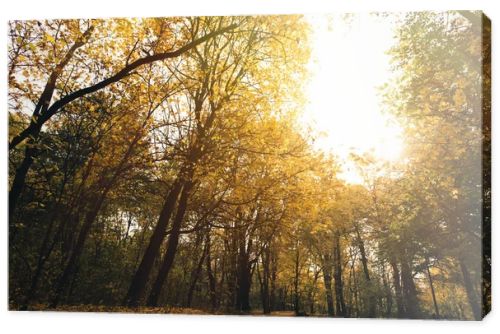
<point>348,65</point>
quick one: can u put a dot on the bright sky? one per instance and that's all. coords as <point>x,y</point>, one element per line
<point>348,64</point>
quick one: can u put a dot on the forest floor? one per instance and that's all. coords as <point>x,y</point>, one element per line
<point>147,310</point>
<point>114,309</point>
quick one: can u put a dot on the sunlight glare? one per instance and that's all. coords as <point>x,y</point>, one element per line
<point>348,64</point>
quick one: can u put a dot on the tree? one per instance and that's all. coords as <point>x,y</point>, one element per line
<point>44,110</point>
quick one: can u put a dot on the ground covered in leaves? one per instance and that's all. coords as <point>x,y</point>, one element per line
<point>145,310</point>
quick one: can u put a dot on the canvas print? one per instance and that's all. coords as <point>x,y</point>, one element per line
<point>329,165</point>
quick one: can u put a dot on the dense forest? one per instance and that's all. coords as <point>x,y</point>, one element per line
<point>162,165</point>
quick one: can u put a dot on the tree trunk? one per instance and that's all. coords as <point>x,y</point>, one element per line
<point>409,291</point>
<point>266,306</point>
<point>244,273</point>
<point>195,275</point>
<point>339,287</point>
<point>274,271</point>
<point>429,276</point>
<point>232,255</point>
<point>243,294</point>
<point>354,310</point>
<point>20,176</point>
<point>327,279</point>
<point>141,276</point>
<point>471,293</point>
<point>364,261</point>
<point>401,313</point>
<point>388,294</point>
<point>173,241</point>
<point>211,278</point>
<point>296,301</point>
<point>312,293</point>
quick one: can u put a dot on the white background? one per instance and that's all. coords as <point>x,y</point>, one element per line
<point>51,322</point>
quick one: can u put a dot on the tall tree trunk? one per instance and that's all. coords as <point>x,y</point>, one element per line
<point>274,272</point>
<point>211,279</point>
<point>339,286</point>
<point>471,293</point>
<point>20,176</point>
<point>401,313</point>
<point>296,292</point>
<point>244,279</point>
<point>429,276</point>
<point>364,261</point>
<point>388,294</point>
<point>312,293</point>
<point>243,294</point>
<point>354,309</point>
<point>266,307</point>
<point>138,285</point>
<point>409,291</point>
<point>327,279</point>
<point>173,241</point>
<point>232,254</point>
<point>195,275</point>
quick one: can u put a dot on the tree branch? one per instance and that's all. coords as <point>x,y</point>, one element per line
<point>56,106</point>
